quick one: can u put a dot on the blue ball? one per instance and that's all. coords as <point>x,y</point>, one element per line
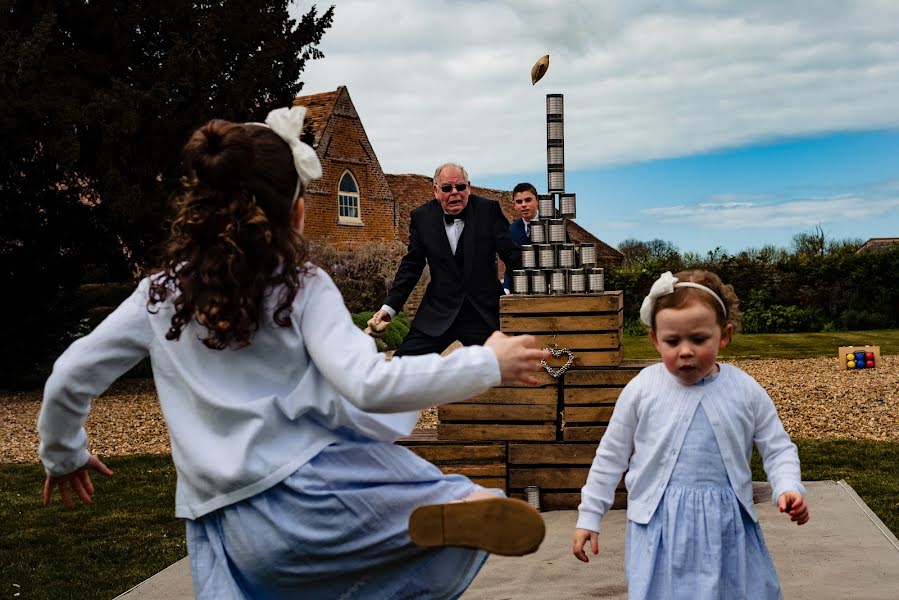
<point>860,357</point>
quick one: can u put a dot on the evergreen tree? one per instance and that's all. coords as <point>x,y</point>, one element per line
<point>96,100</point>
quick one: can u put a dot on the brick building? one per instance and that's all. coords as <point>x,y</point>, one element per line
<point>356,202</point>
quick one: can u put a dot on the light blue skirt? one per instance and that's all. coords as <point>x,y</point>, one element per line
<point>700,543</point>
<point>336,528</point>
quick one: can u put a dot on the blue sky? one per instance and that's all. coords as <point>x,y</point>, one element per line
<point>706,123</point>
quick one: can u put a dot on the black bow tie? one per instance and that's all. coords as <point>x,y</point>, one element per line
<point>450,219</point>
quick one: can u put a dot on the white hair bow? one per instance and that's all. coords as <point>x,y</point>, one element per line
<point>288,124</point>
<point>665,285</point>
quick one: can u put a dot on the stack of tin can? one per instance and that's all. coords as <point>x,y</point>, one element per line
<point>552,265</point>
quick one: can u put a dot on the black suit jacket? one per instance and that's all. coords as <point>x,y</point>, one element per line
<point>486,234</point>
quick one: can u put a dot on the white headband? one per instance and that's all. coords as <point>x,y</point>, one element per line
<point>665,285</point>
<point>288,124</point>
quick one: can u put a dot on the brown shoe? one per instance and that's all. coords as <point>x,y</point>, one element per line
<point>500,526</point>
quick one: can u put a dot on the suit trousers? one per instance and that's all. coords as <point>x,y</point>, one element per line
<point>469,327</point>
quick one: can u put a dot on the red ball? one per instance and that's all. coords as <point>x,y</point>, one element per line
<point>869,364</point>
<point>869,355</point>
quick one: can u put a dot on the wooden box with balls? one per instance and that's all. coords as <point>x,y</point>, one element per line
<point>859,357</point>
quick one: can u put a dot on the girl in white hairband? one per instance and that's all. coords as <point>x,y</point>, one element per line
<point>683,430</point>
<point>280,411</point>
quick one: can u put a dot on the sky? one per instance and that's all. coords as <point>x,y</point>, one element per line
<point>709,124</point>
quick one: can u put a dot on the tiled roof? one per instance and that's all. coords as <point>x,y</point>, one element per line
<point>878,243</point>
<point>318,110</point>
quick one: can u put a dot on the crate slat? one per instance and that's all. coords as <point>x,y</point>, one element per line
<point>588,414</point>
<point>483,432</point>
<point>551,454</point>
<point>612,301</point>
<point>606,377</point>
<point>590,395</point>
<point>495,412</point>
<point>475,470</point>
<point>548,477</point>
<point>608,340</point>
<point>509,395</point>
<point>590,433</point>
<point>554,323</point>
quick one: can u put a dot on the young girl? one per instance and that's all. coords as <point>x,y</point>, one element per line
<point>273,398</point>
<point>683,430</point>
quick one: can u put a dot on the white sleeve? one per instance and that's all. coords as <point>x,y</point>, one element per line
<point>611,460</point>
<point>780,456</point>
<point>350,361</point>
<point>89,366</point>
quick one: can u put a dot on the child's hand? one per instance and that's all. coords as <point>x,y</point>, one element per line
<point>79,481</point>
<point>517,358</point>
<point>580,541</point>
<point>793,503</point>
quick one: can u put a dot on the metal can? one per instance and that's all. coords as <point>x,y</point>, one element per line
<point>576,283</point>
<point>568,205</point>
<point>528,257</point>
<point>546,205</point>
<point>557,231</point>
<point>546,256</point>
<point>538,281</point>
<point>519,281</point>
<point>538,231</point>
<point>596,281</point>
<point>558,281</point>
<point>588,255</point>
<point>567,259</point>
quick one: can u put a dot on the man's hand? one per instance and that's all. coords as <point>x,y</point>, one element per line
<point>517,357</point>
<point>794,504</point>
<point>581,536</point>
<point>79,481</point>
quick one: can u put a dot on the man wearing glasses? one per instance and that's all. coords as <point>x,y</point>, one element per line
<point>458,236</point>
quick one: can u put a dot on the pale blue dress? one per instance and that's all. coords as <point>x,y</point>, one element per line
<point>700,543</point>
<point>337,528</point>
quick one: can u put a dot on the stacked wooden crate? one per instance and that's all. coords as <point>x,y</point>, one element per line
<point>484,463</point>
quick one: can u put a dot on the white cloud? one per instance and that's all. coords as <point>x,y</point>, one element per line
<point>440,80</point>
<point>794,214</point>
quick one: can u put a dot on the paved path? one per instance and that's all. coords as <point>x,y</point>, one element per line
<point>844,551</point>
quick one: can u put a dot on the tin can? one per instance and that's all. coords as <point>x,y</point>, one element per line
<point>546,256</point>
<point>537,281</point>
<point>596,282</point>
<point>557,231</point>
<point>546,205</point>
<point>528,257</point>
<point>587,255</point>
<point>568,205</point>
<point>538,231</point>
<point>567,258</point>
<point>519,281</point>
<point>576,283</point>
<point>558,282</point>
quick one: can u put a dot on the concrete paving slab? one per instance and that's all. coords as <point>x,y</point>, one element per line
<point>844,551</point>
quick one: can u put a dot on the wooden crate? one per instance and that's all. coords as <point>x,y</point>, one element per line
<point>484,463</point>
<point>588,399</point>
<point>558,469</point>
<point>514,412</point>
<point>590,325</point>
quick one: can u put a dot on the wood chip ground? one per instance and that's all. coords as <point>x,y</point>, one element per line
<point>813,397</point>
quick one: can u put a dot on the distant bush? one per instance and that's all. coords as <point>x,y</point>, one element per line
<point>363,275</point>
<point>396,331</point>
<point>782,319</point>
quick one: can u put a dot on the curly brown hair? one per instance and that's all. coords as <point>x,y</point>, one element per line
<point>231,241</point>
<point>684,295</point>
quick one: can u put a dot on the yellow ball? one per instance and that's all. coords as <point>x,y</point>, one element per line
<point>850,356</point>
<point>850,364</point>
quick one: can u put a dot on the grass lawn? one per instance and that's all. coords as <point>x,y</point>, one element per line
<point>783,345</point>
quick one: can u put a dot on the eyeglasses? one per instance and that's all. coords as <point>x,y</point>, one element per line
<point>446,188</point>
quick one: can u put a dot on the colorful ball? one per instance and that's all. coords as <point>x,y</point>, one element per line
<point>850,364</point>
<point>850,356</point>
<point>869,364</point>
<point>859,356</point>
<point>869,356</point>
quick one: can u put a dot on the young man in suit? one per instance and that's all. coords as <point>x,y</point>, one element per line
<point>458,235</point>
<point>524,200</point>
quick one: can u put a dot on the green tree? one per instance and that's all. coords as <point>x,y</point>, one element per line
<point>97,99</point>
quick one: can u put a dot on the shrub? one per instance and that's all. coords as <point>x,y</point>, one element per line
<point>363,275</point>
<point>396,331</point>
<point>782,319</point>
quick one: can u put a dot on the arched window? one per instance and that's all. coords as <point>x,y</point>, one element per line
<point>348,200</point>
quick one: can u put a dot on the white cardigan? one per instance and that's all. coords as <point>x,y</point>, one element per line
<point>648,428</point>
<point>240,421</point>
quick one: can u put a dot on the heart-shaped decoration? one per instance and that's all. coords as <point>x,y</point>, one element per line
<point>556,373</point>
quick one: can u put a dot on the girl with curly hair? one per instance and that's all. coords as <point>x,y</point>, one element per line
<point>281,412</point>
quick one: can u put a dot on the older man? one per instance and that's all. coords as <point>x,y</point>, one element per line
<point>458,235</point>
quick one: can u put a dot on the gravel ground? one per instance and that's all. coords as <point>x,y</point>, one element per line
<point>813,397</point>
